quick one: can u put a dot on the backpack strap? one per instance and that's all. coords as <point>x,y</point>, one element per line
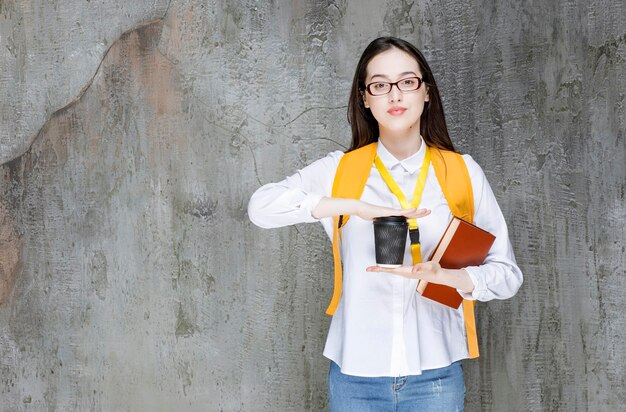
<point>350,178</point>
<point>352,174</point>
<point>455,182</point>
<point>454,179</point>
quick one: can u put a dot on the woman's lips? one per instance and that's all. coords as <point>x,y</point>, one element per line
<point>396,111</point>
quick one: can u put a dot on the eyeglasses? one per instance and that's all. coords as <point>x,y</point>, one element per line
<point>409,84</point>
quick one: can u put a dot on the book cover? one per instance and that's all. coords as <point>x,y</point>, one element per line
<point>462,244</point>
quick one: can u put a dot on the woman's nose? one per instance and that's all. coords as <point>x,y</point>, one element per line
<point>395,94</point>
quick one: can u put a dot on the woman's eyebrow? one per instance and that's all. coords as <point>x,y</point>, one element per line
<point>386,77</point>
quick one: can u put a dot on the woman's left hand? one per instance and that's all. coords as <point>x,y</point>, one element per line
<point>432,272</point>
<point>428,271</point>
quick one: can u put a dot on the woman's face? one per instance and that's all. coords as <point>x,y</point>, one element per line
<point>391,66</point>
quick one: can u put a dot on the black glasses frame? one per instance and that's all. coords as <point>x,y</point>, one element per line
<point>419,84</point>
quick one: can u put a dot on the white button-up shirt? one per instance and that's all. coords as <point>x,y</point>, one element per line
<point>382,326</point>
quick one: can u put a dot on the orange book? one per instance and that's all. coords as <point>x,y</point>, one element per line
<point>462,244</point>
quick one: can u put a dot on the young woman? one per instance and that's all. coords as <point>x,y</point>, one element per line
<point>391,348</point>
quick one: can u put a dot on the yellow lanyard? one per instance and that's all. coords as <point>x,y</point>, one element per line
<point>417,196</point>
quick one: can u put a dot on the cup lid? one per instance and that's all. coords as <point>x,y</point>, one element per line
<point>390,219</point>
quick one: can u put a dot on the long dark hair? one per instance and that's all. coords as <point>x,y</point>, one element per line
<point>365,127</point>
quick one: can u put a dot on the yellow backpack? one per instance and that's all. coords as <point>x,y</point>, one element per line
<point>451,171</point>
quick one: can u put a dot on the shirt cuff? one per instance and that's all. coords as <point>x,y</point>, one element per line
<point>479,286</point>
<point>308,204</point>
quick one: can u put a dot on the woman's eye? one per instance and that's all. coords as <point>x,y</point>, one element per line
<point>408,82</point>
<point>380,85</point>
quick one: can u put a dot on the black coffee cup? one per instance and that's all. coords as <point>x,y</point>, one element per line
<point>389,240</point>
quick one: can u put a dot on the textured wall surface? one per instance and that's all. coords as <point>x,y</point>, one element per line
<point>49,52</point>
<point>132,135</point>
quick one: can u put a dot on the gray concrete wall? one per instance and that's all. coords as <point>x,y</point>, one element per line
<point>133,134</point>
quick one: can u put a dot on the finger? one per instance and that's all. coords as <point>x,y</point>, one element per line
<point>399,212</point>
<point>402,270</point>
<point>415,211</point>
<point>416,268</point>
<point>419,213</point>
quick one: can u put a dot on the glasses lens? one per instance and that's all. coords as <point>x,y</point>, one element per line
<point>409,84</point>
<point>379,88</point>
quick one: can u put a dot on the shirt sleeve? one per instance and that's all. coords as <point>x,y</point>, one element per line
<point>498,277</point>
<point>292,200</point>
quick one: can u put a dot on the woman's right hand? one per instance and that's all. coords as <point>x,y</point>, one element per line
<point>330,206</point>
<point>368,211</point>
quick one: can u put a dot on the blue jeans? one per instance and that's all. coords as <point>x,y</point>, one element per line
<point>440,389</point>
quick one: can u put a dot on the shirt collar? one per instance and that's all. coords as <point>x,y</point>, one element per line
<point>411,164</point>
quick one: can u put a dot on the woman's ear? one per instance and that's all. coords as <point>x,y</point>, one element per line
<point>427,98</point>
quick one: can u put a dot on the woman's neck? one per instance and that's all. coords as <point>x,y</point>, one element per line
<point>401,144</point>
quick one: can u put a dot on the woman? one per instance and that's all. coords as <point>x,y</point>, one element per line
<point>390,348</point>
